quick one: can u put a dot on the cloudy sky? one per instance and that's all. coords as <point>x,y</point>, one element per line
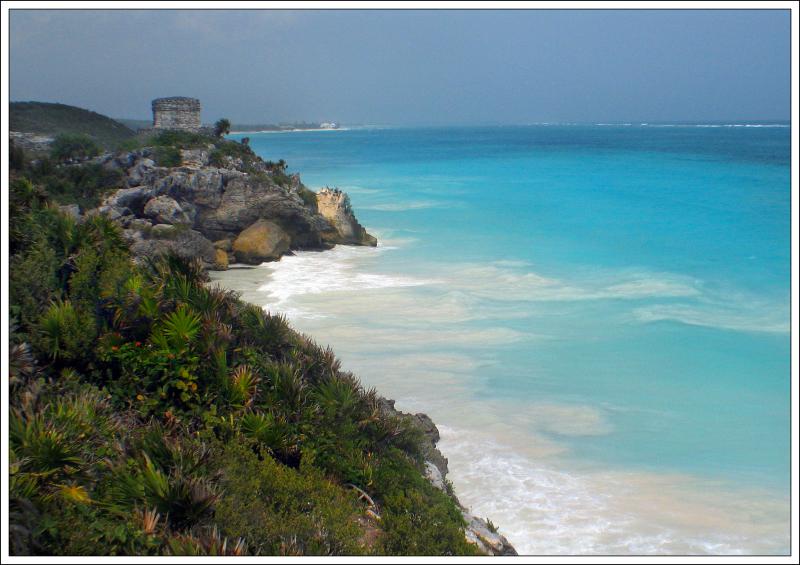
<point>410,67</point>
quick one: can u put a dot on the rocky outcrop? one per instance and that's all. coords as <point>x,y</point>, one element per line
<point>162,238</point>
<point>219,203</point>
<point>478,531</point>
<point>165,210</point>
<point>334,205</point>
<point>263,241</point>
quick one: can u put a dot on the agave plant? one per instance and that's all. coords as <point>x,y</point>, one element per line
<point>104,232</point>
<point>20,362</point>
<point>59,329</point>
<point>47,450</point>
<point>209,542</point>
<point>273,433</point>
<point>337,397</point>
<point>183,500</point>
<point>243,387</point>
<point>288,386</point>
<point>180,288</point>
<point>169,266</point>
<point>167,448</point>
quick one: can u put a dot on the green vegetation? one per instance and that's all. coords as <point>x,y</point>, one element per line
<point>68,147</point>
<point>84,185</point>
<point>230,149</point>
<point>154,414</point>
<point>222,127</point>
<point>53,119</point>
<point>167,156</point>
<point>309,197</point>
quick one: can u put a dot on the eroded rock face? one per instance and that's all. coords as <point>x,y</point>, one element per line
<point>334,206</point>
<point>220,203</point>
<point>262,241</point>
<point>166,210</point>
<point>163,238</point>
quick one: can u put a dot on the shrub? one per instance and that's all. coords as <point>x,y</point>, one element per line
<point>68,147</point>
<point>279,510</point>
<point>167,156</point>
<point>309,197</point>
<point>180,139</point>
<point>222,127</point>
<point>16,157</point>
<point>33,283</point>
<point>65,333</point>
<point>230,149</point>
<point>83,184</point>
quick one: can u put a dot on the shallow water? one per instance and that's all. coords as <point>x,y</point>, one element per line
<point>596,318</point>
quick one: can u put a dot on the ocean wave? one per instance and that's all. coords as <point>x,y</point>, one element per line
<point>505,281</point>
<point>544,510</point>
<point>404,206</point>
<point>733,316</point>
<point>329,271</point>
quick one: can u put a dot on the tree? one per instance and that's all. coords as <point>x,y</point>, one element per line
<point>69,147</point>
<point>222,127</point>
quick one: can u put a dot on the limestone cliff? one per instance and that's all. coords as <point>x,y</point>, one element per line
<point>334,205</point>
<point>186,207</point>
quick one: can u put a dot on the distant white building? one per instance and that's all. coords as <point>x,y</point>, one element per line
<point>328,125</point>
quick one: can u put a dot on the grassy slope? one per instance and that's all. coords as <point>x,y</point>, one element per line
<point>154,414</point>
<point>51,119</point>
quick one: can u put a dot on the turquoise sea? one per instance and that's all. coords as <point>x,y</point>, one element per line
<point>596,316</point>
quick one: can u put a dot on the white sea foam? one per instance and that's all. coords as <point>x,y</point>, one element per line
<point>414,339</point>
<point>330,271</point>
<point>737,317</point>
<point>546,510</point>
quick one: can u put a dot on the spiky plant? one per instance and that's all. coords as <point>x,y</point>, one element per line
<point>289,389</point>
<point>183,500</point>
<point>181,326</point>
<point>62,331</point>
<point>243,387</point>
<point>47,450</point>
<point>271,432</point>
<point>21,363</point>
<point>337,397</point>
<point>208,542</point>
<point>168,266</point>
<point>149,521</point>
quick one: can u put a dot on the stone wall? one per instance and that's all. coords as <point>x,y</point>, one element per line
<point>176,113</point>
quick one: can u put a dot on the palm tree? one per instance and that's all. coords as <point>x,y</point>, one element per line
<point>222,127</point>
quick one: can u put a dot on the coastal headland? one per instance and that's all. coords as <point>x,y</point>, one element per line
<point>207,202</point>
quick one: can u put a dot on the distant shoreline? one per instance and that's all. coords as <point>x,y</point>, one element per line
<point>293,130</point>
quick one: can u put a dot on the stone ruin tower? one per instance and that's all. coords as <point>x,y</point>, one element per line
<point>177,112</point>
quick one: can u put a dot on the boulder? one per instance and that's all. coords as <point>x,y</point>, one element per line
<point>133,198</point>
<point>163,231</point>
<point>166,210</point>
<point>224,244</point>
<point>143,172</point>
<point>262,241</point>
<point>221,260</point>
<point>183,242</point>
